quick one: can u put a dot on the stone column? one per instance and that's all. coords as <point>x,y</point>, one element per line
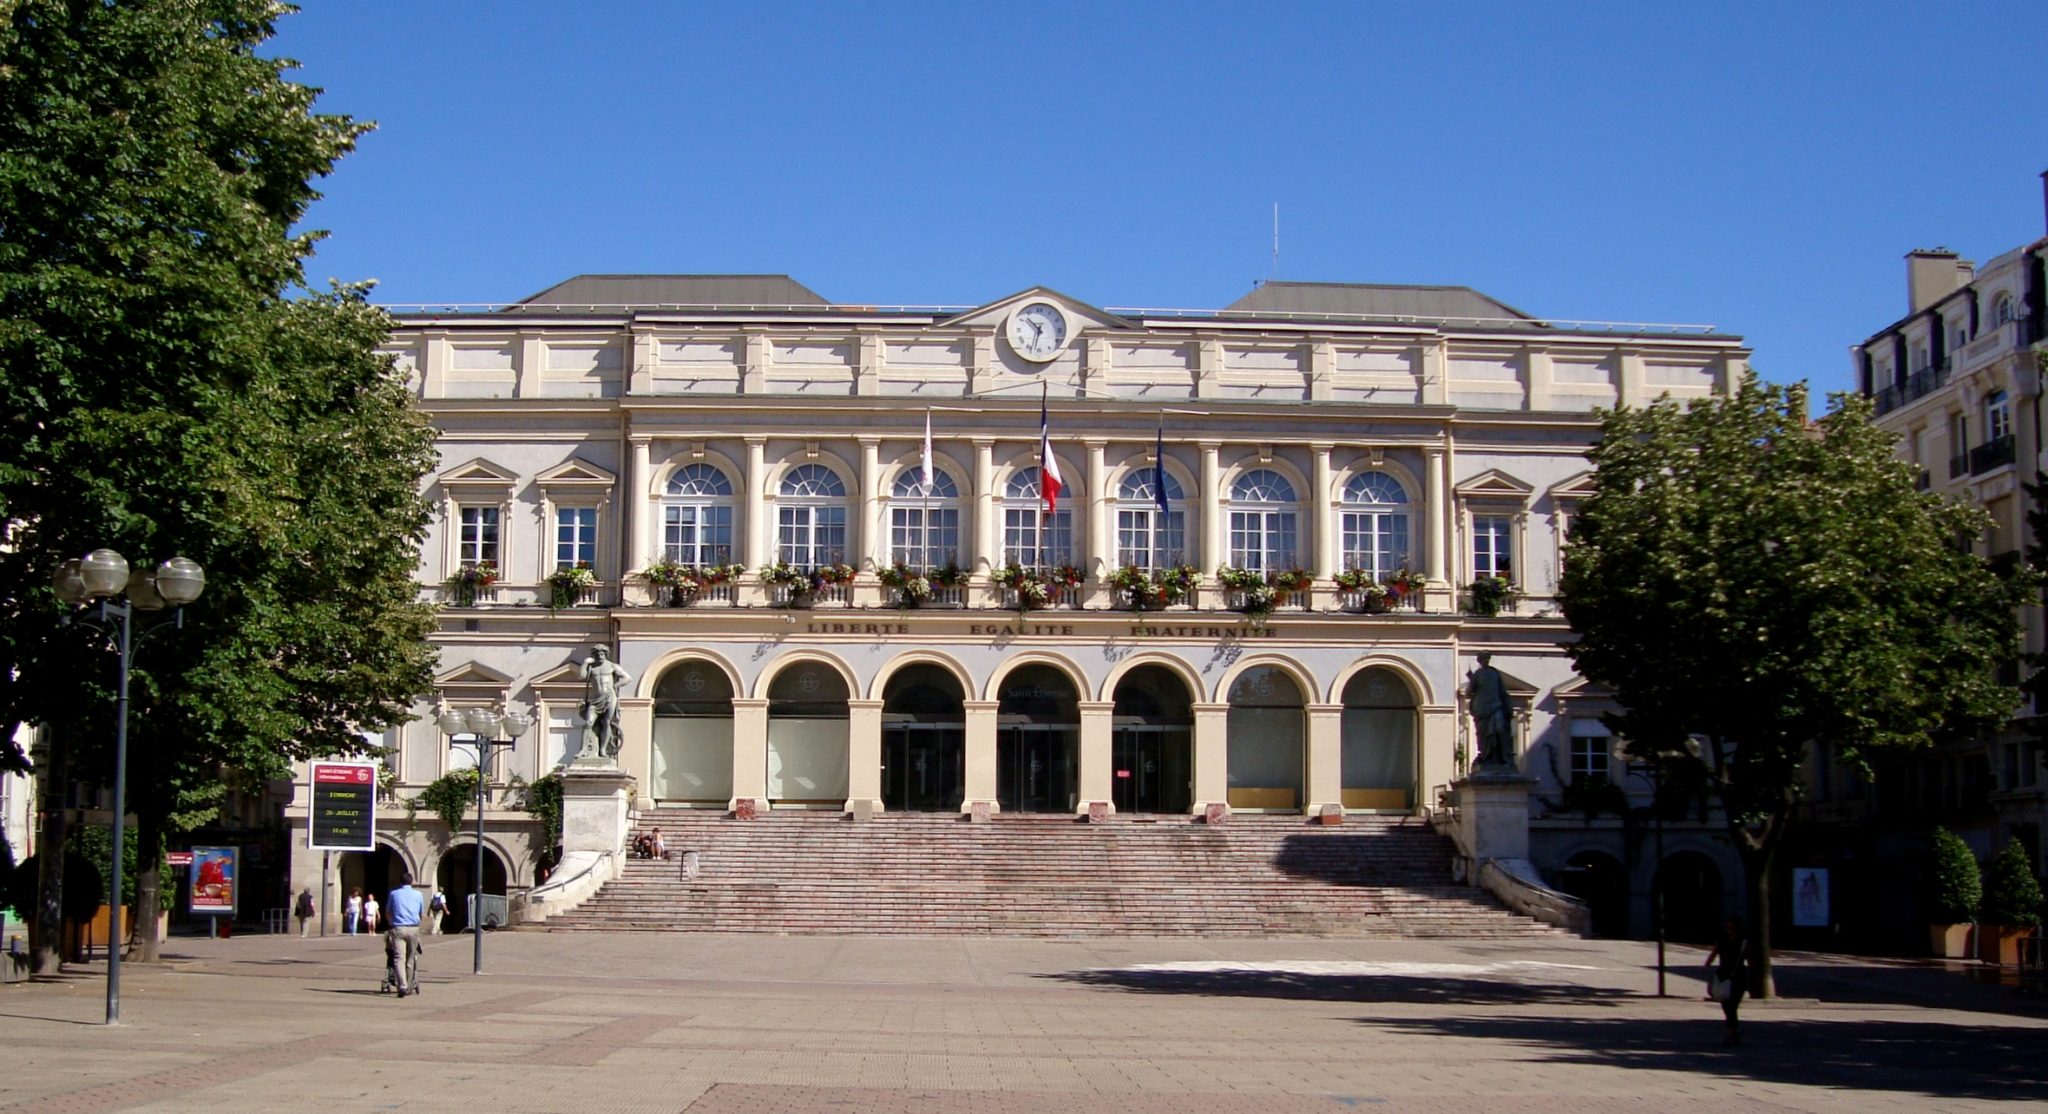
<point>641,507</point>
<point>753,549</point>
<point>981,758</point>
<point>1100,550</point>
<point>1438,482</point>
<point>1213,553</point>
<point>1097,777</point>
<point>749,757</point>
<point>1325,773</point>
<point>863,758</point>
<point>1323,512</point>
<point>1212,761</point>
<point>985,555</point>
<point>871,535</point>
<point>636,750</point>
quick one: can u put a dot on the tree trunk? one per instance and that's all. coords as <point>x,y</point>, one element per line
<point>46,932</point>
<point>149,855</point>
<point>1756,870</point>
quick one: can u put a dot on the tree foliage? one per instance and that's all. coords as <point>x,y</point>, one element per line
<point>1751,583</point>
<point>1954,887</point>
<point>2012,895</point>
<point>167,386</point>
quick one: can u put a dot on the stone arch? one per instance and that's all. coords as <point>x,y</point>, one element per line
<point>1301,675</point>
<point>650,676</point>
<point>793,657</point>
<point>1174,665</point>
<point>1304,487</point>
<point>927,656</point>
<point>1075,676</point>
<point>893,469</point>
<point>1141,460</point>
<point>778,467</point>
<point>658,477</point>
<point>1416,679</point>
<point>1411,481</point>
<point>1073,472</point>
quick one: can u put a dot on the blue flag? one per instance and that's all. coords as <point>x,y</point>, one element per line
<point>1159,471</point>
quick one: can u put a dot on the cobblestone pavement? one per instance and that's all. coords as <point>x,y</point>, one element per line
<point>727,1024</point>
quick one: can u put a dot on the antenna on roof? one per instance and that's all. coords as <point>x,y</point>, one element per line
<point>1276,241</point>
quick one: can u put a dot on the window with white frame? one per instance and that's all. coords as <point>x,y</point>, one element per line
<point>924,522</point>
<point>477,542</point>
<point>1919,356</point>
<point>1959,435</point>
<point>1493,545</point>
<point>1374,524</point>
<point>1146,537</point>
<point>1997,416</point>
<point>696,516</point>
<point>575,537</point>
<point>1592,751</point>
<point>1263,522</point>
<point>811,513</point>
<point>1032,538</point>
<point>2002,309</point>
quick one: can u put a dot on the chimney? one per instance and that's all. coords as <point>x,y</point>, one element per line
<point>1932,274</point>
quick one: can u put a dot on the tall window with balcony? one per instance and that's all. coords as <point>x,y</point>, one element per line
<point>477,543</point>
<point>1146,537</point>
<point>1264,519</point>
<point>811,514</point>
<point>924,522</point>
<point>1493,545</point>
<point>1032,538</point>
<point>696,516</point>
<point>575,537</point>
<point>1374,524</point>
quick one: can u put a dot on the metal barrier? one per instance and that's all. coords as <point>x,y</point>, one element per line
<point>496,910</point>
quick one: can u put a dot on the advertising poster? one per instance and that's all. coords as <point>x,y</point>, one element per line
<point>1809,897</point>
<point>213,880</point>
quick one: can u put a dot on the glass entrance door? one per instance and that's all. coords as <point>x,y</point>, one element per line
<point>1035,768</point>
<point>924,767</point>
<point>1149,769</point>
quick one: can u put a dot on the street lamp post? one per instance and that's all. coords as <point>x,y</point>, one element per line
<point>92,583</point>
<point>483,725</point>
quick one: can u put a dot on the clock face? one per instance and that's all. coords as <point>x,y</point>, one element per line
<point>1038,331</point>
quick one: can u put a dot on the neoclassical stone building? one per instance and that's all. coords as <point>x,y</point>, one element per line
<point>677,423</point>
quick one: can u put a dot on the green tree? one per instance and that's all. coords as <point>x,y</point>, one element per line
<point>1752,583</point>
<point>1954,887</point>
<point>168,386</point>
<point>2012,895</point>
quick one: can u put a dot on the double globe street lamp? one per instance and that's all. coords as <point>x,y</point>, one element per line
<point>483,725</point>
<point>91,584</point>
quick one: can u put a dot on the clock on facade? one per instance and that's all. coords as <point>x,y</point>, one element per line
<point>1037,331</point>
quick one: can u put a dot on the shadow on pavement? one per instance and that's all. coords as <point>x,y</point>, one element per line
<point>1952,1061</point>
<point>1902,983</point>
<point>1432,989</point>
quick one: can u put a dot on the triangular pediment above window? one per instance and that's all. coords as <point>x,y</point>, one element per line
<point>1079,313</point>
<point>1578,487</point>
<point>1518,689</point>
<point>1583,690</point>
<point>472,675</point>
<point>569,674</point>
<point>575,472</point>
<point>478,473</point>
<point>1494,484</point>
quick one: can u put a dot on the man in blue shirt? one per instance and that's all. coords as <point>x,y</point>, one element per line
<point>402,938</point>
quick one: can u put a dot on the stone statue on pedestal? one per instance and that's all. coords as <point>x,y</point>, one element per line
<point>1492,715</point>
<point>603,679</point>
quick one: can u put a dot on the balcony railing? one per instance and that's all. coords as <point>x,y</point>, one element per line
<point>1991,454</point>
<point>1918,385</point>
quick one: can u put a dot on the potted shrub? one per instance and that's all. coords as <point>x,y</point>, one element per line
<point>1492,593</point>
<point>795,584</point>
<point>1371,596</point>
<point>469,580</point>
<point>2012,905</point>
<point>912,587</point>
<point>1954,891</point>
<point>565,584</point>
<point>1145,591</point>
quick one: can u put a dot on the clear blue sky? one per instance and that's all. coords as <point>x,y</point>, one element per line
<point>1759,167</point>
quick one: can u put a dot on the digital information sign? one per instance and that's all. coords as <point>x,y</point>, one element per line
<point>344,813</point>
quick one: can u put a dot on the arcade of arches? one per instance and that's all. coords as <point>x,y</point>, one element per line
<point>1039,742</point>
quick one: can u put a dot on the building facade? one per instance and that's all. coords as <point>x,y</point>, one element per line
<point>810,619</point>
<point>1958,380</point>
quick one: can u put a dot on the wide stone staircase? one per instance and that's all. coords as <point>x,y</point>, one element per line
<point>1018,875</point>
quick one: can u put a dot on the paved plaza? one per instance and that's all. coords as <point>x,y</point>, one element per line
<point>618,1022</point>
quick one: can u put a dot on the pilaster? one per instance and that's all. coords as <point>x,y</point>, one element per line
<point>864,758</point>
<point>749,756</point>
<point>1324,777</point>
<point>756,483</point>
<point>1212,759</point>
<point>754,373</point>
<point>1323,515</point>
<point>636,750</point>
<point>870,537</point>
<point>640,507</point>
<point>1099,556</point>
<point>1541,378</point>
<point>1322,358</point>
<point>984,506</point>
<point>1096,779</point>
<point>980,717</point>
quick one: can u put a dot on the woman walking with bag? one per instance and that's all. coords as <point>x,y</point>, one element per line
<point>1728,977</point>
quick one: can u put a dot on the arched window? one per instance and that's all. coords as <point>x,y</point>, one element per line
<point>811,512</point>
<point>2002,309</point>
<point>1031,537</point>
<point>1374,524</point>
<point>924,522</point>
<point>696,516</point>
<point>1263,521</point>
<point>1147,537</point>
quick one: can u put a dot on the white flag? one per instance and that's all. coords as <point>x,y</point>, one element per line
<point>926,466</point>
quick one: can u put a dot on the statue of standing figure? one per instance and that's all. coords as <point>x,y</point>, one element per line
<point>603,680</point>
<point>1492,714</point>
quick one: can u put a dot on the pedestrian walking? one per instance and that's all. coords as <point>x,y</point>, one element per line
<point>352,913</point>
<point>437,907</point>
<point>370,913</point>
<point>304,911</point>
<point>402,939</point>
<point>1728,978</point>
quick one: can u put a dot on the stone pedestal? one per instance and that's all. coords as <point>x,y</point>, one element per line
<point>1493,814</point>
<point>595,798</point>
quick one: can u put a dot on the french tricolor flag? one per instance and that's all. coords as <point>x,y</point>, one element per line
<point>1049,482</point>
